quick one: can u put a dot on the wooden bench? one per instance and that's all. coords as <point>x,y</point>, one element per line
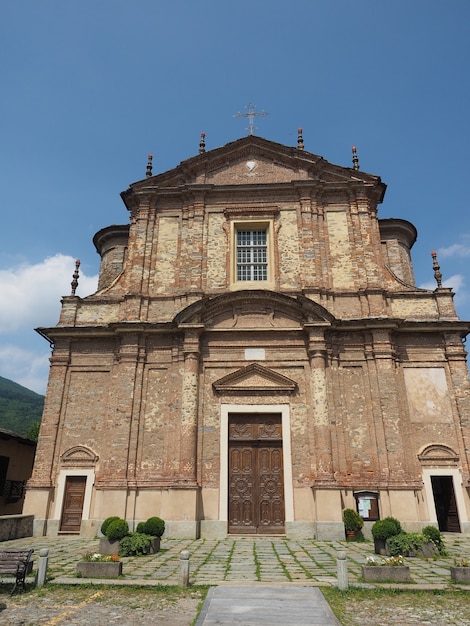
<point>16,563</point>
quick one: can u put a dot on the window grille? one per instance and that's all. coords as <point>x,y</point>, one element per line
<point>252,255</point>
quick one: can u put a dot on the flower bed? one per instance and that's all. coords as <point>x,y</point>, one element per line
<point>96,565</point>
<point>391,569</point>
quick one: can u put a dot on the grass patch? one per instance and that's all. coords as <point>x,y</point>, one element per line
<point>229,560</point>
<point>257,563</point>
<point>281,563</point>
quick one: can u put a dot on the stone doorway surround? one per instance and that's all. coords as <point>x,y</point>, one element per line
<point>254,409</point>
<point>458,491</point>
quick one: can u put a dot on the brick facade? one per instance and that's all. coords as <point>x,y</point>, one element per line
<point>366,373</point>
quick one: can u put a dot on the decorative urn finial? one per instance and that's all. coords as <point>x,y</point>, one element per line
<point>300,139</point>
<point>355,158</point>
<point>148,173</point>
<point>437,269</point>
<point>74,282</point>
<point>202,143</point>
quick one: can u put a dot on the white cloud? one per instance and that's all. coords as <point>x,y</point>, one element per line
<point>25,367</point>
<point>31,294</point>
<point>30,297</point>
<point>459,250</point>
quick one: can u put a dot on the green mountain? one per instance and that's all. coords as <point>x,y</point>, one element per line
<point>20,408</point>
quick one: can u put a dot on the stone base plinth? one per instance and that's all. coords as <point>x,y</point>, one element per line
<point>386,573</point>
<point>460,574</point>
<point>108,547</point>
<point>97,569</point>
<point>155,545</point>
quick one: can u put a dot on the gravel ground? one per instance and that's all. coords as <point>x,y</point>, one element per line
<point>59,606</point>
<point>100,606</point>
<point>448,608</point>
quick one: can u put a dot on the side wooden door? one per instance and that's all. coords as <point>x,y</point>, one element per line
<point>256,479</point>
<point>74,498</point>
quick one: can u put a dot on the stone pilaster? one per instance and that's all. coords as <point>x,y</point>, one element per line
<point>189,407</point>
<point>321,419</point>
<point>456,358</point>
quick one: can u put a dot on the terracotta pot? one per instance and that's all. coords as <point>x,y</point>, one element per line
<point>99,569</point>
<point>386,573</point>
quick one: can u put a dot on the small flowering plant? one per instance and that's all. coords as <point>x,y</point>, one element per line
<point>462,562</point>
<point>393,561</point>
<point>96,557</point>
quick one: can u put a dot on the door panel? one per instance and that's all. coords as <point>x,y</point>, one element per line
<point>74,498</point>
<point>256,481</point>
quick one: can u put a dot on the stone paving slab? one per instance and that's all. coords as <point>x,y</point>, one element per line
<point>296,606</point>
<point>277,561</point>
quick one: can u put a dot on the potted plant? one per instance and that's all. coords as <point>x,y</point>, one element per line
<point>387,569</point>
<point>433,534</point>
<point>353,522</point>
<point>114,528</point>
<point>411,544</point>
<point>382,530</point>
<point>155,527</point>
<point>96,565</point>
<point>460,571</point>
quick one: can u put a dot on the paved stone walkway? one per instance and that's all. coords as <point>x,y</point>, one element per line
<point>250,606</point>
<point>242,560</point>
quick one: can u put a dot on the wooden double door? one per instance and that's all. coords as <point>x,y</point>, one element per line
<point>256,478</point>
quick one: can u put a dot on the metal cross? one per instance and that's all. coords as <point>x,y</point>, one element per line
<point>251,114</point>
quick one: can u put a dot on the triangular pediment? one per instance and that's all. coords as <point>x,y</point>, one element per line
<point>255,379</point>
<point>253,160</point>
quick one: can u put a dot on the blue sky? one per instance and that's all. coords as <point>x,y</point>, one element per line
<point>89,88</point>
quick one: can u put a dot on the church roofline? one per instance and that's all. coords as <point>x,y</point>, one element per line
<point>180,177</point>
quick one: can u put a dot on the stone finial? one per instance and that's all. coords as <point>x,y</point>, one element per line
<point>148,173</point>
<point>355,158</point>
<point>437,269</point>
<point>202,143</point>
<point>74,282</point>
<point>300,139</point>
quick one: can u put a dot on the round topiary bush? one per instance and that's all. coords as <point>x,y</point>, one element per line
<point>140,528</point>
<point>154,526</point>
<point>385,528</point>
<point>107,522</point>
<point>117,530</point>
<point>434,534</point>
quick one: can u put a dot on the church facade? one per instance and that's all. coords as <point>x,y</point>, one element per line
<point>257,358</point>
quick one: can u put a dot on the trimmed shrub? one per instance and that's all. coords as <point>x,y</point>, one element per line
<point>117,530</point>
<point>135,544</point>
<point>385,528</point>
<point>107,522</point>
<point>434,534</point>
<point>140,528</point>
<point>352,520</point>
<point>154,526</point>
